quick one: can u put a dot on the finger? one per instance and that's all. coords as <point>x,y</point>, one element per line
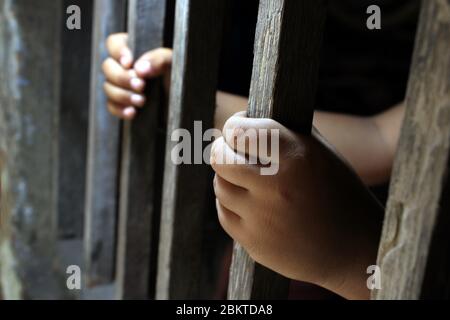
<point>231,196</point>
<point>230,222</point>
<point>123,97</point>
<point>232,166</point>
<point>118,76</point>
<point>122,112</point>
<point>261,139</point>
<point>154,63</point>
<point>117,45</point>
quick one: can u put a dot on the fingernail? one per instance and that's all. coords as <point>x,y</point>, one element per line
<point>129,112</point>
<point>126,58</point>
<point>143,66</point>
<point>137,84</point>
<point>137,99</point>
<point>125,61</point>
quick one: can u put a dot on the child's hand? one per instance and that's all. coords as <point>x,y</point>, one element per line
<point>126,79</point>
<point>314,221</point>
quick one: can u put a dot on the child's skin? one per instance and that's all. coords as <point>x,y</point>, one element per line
<point>314,221</point>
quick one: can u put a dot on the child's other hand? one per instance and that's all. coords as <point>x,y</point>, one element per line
<point>125,78</point>
<point>314,221</point>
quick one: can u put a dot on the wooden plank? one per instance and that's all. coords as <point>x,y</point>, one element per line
<point>73,120</point>
<point>416,223</point>
<point>103,155</point>
<point>4,201</point>
<point>284,84</point>
<point>29,98</point>
<point>198,29</point>
<point>140,183</point>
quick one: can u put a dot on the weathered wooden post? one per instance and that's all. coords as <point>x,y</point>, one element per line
<point>103,155</point>
<point>284,83</point>
<point>142,153</point>
<point>30,68</point>
<point>73,120</point>
<point>198,29</point>
<point>414,251</point>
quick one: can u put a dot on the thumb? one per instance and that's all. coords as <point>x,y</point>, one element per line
<point>154,63</point>
<point>118,49</point>
<point>248,135</point>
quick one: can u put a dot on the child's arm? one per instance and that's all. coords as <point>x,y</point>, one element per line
<point>367,143</point>
<point>314,221</point>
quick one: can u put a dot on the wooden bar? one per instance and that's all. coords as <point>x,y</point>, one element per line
<point>29,99</point>
<point>75,65</point>
<point>103,155</point>
<point>141,154</point>
<point>414,251</point>
<point>198,30</point>
<point>284,84</point>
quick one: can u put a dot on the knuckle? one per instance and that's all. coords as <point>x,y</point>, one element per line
<point>216,186</point>
<point>168,53</point>
<point>293,148</point>
<point>118,99</point>
<point>125,98</point>
<point>215,148</point>
<point>110,107</point>
<point>164,54</point>
<point>283,192</point>
<point>267,123</point>
<point>106,91</point>
<point>223,219</point>
<point>238,131</point>
<point>109,40</point>
<point>220,194</point>
<point>123,78</point>
<point>231,123</point>
<point>252,245</point>
<point>165,51</point>
<point>234,130</point>
<point>105,65</point>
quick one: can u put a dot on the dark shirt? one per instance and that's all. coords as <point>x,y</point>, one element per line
<point>362,71</point>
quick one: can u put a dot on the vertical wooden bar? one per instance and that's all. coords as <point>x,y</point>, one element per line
<point>414,251</point>
<point>75,65</point>
<point>103,154</point>
<point>284,84</point>
<point>198,29</point>
<point>139,201</point>
<point>30,50</point>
